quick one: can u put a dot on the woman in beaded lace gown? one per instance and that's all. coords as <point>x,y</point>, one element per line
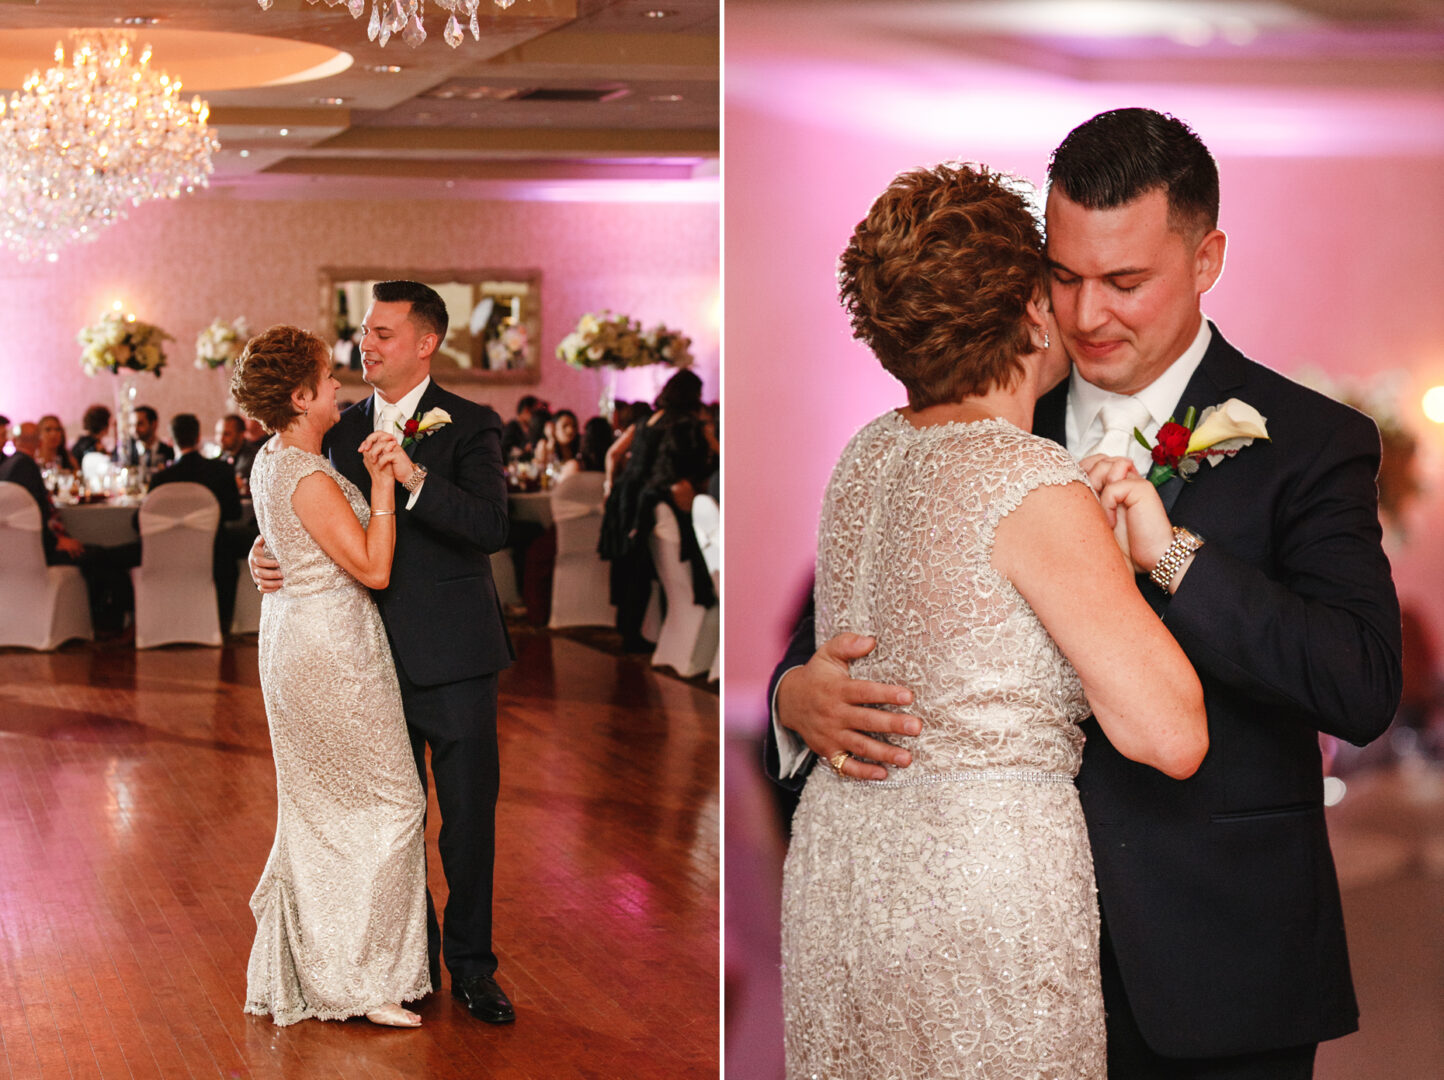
<point>945,925</point>
<point>341,905</point>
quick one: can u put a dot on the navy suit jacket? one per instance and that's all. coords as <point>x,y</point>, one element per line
<point>440,608</point>
<point>215,474</point>
<point>1219,891</point>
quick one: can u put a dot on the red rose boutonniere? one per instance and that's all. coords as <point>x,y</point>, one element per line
<point>1222,431</point>
<point>420,426</point>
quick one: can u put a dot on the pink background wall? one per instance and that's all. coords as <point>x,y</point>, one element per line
<point>1335,263</point>
<point>180,264</point>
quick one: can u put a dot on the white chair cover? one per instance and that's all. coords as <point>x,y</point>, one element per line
<point>175,589</point>
<point>580,577</point>
<point>707,524</point>
<point>688,639</point>
<point>43,606</point>
<point>246,618</point>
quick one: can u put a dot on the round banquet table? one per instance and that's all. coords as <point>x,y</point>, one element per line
<point>531,506</point>
<point>105,524</point>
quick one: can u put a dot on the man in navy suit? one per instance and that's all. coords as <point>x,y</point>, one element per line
<point>217,477</point>
<point>1223,952</point>
<point>441,612</point>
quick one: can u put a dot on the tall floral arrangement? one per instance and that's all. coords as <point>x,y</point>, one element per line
<point>221,342</point>
<point>617,341</point>
<point>122,341</point>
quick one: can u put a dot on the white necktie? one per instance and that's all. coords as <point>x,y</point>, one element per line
<point>1120,416</point>
<point>387,416</point>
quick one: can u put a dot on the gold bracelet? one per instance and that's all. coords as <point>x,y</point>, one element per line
<point>1184,544</point>
<point>383,513</point>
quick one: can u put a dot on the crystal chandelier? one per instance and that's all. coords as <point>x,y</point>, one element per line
<point>408,18</point>
<point>81,142</point>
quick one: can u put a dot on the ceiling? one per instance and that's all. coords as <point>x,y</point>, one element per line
<point>557,94</point>
<point>1264,77</point>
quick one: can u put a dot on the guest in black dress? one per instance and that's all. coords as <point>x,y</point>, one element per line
<point>637,487</point>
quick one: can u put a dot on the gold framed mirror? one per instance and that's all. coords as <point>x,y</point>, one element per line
<point>494,316</point>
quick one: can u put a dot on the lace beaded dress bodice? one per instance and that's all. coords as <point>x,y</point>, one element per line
<point>943,923</point>
<point>341,905</point>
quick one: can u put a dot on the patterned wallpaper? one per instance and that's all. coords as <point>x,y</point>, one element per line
<point>180,264</point>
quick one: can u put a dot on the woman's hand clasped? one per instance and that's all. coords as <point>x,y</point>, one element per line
<point>1135,512</point>
<point>385,458</point>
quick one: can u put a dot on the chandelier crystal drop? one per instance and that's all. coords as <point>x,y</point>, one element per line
<point>82,142</point>
<point>408,18</point>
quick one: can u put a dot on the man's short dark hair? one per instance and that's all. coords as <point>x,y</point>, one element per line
<point>528,401</point>
<point>149,413</point>
<point>237,419</point>
<point>1118,156</point>
<point>185,429</point>
<point>427,307</point>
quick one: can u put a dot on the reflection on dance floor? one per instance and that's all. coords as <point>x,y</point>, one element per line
<point>137,805</point>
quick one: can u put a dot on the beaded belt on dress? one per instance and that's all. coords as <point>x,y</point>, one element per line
<point>968,776</point>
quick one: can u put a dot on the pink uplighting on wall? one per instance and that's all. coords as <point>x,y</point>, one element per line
<point>1333,201</point>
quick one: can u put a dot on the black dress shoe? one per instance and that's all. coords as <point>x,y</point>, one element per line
<point>484,999</point>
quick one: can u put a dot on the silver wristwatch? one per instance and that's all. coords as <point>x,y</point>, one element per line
<point>418,474</point>
<point>1184,544</point>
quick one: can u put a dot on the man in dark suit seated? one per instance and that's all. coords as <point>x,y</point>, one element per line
<point>143,447</point>
<point>236,450</point>
<point>220,479</point>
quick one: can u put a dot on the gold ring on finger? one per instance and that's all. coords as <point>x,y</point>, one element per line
<point>838,760</point>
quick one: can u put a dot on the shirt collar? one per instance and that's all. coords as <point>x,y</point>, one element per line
<point>1160,396</point>
<point>408,404</point>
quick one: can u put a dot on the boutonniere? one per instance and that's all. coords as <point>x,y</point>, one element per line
<point>420,426</point>
<point>1221,431</point>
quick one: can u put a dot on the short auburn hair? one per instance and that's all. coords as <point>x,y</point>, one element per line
<point>937,279</point>
<point>272,367</point>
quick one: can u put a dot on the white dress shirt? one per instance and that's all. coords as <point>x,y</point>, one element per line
<point>1084,426</point>
<point>1083,430</point>
<point>386,416</point>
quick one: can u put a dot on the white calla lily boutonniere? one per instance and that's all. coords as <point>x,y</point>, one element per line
<point>1221,432</point>
<point>421,425</point>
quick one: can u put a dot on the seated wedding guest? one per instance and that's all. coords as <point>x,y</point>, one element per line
<point>255,434</point>
<point>144,447</point>
<point>96,423</point>
<point>21,468</point>
<point>564,443</point>
<point>597,439</point>
<point>516,443</point>
<point>219,477</point>
<point>539,433</point>
<point>236,450</point>
<point>4,434</point>
<point>52,453</point>
<point>637,485</point>
<point>621,416</point>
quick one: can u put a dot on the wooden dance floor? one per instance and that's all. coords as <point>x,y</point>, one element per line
<point>137,807</point>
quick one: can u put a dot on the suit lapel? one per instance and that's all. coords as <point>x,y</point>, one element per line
<point>1219,374</point>
<point>346,438</point>
<point>1050,415</point>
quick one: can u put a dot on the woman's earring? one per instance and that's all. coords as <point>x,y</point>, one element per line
<point>1047,341</point>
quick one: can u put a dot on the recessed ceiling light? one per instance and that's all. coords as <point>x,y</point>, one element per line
<point>245,153</point>
<point>665,97</point>
<point>329,100</point>
<point>383,69</point>
<point>137,20</point>
<point>657,13</point>
<point>284,132</point>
